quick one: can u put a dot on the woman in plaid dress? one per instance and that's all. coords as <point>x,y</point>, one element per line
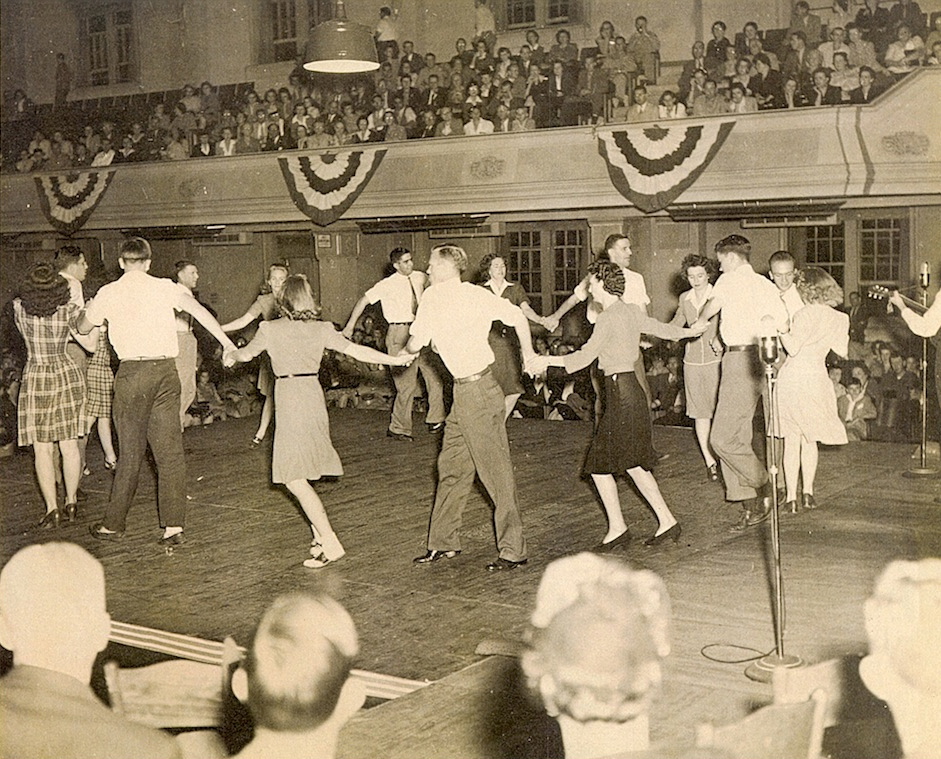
<point>51,401</point>
<point>100,388</point>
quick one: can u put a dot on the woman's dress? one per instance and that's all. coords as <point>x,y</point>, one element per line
<point>265,306</point>
<point>702,359</point>
<point>99,379</point>
<point>302,446</point>
<point>52,395</point>
<point>806,399</point>
<point>505,344</point>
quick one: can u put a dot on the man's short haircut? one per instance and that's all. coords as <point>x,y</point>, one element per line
<point>611,240</point>
<point>737,86</point>
<point>737,244</point>
<point>871,71</point>
<point>763,58</point>
<point>299,661</point>
<point>802,4</point>
<point>800,35</point>
<point>454,253</point>
<point>720,24</point>
<point>842,55</point>
<point>640,88</point>
<point>853,381</point>
<point>752,24</point>
<point>396,254</point>
<point>782,256</point>
<point>135,249</point>
<point>68,255</point>
<point>181,265</point>
<point>639,18</point>
<point>851,25</point>
<point>822,70</point>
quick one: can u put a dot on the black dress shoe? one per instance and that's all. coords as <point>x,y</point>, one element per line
<point>672,534</point>
<point>399,436</point>
<point>619,542</point>
<point>750,518</point>
<point>99,531</point>
<point>504,565</point>
<point>433,556</point>
<point>70,511</point>
<point>176,539</point>
<point>50,521</point>
<point>435,428</point>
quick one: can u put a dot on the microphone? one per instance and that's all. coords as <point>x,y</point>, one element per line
<point>924,276</point>
<point>768,340</point>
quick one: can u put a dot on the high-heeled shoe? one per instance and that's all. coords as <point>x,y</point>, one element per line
<point>329,550</point>
<point>70,511</point>
<point>672,534</point>
<point>809,502</point>
<point>620,541</point>
<point>712,471</point>
<point>788,508</point>
<point>110,465</point>
<point>256,441</point>
<point>50,521</point>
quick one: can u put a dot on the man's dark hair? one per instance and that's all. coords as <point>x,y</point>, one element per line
<point>135,249</point>
<point>734,244</point>
<point>68,255</point>
<point>180,265</point>
<point>396,254</point>
<point>782,256</point>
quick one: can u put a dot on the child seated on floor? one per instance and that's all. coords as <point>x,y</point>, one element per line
<point>856,410</point>
<point>208,406</point>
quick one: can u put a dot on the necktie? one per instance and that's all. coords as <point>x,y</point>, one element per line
<point>411,288</point>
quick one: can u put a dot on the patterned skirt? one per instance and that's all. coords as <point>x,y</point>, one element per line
<point>100,384</point>
<point>51,403</point>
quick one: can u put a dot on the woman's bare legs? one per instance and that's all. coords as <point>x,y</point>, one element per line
<point>793,456</point>
<point>607,489</point>
<point>266,412</point>
<point>317,516</point>
<point>647,485</point>
<point>703,427</point>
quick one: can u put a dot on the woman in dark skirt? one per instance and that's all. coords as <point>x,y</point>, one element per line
<point>622,439</point>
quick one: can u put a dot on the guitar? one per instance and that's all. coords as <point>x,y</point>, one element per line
<point>882,293</point>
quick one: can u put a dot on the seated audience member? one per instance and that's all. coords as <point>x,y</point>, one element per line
<point>669,107</point>
<point>246,142</point>
<point>105,156</point>
<point>836,44</point>
<point>477,124</point>
<point>414,61</point>
<point>363,132</point>
<point>856,410</point>
<point>805,22</point>
<point>716,47</point>
<point>295,680</point>
<point>743,41</point>
<point>340,135</point>
<point>934,59</point>
<point>431,69</point>
<point>767,84</point>
<point>907,52</point>
<point>564,51</point>
<point>621,67</point>
<point>462,56</point>
<point>710,103</point>
<point>522,122</point>
<point>203,147</point>
<point>739,102</point>
<point>822,92</point>
<point>448,124</point>
<point>273,139</point>
<point>801,60</point>
<point>861,51</point>
<point>53,618</point>
<point>605,39</point>
<point>667,392</point>
<point>757,47</point>
<point>593,83</point>
<point>791,95</point>
<point>835,373</point>
<point>642,109</point>
<point>427,125</point>
<point>644,46</point>
<point>319,138</point>
<point>600,631</point>
<point>696,88</point>
<point>903,668</point>
<point>482,60</point>
<point>502,121</point>
<point>907,12</point>
<point>898,409</point>
<point>743,74</point>
<point>727,68</point>
<point>843,76</point>
<point>434,95</point>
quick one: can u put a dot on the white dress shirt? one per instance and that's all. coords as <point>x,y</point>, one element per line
<point>745,298</point>
<point>395,294</point>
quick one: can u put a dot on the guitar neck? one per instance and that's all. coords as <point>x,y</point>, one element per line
<point>884,293</point>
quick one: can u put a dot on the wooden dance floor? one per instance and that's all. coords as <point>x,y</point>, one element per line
<point>246,542</point>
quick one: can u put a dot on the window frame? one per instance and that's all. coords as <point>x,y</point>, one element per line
<point>554,286</point>
<point>109,55</point>
<point>542,14</point>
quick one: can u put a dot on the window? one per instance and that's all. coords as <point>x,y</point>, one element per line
<point>109,45</point>
<point>523,14</point>
<point>283,29</point>
<point>547,261</point>
<point>825,247</point>
<point>286,24</point>
<point>881,246</point>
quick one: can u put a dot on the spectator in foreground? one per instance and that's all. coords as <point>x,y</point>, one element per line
<point>903,623</point>
<point>53,618</point>
<point>296,681</point>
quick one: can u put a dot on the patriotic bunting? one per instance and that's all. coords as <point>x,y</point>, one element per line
<point>324,186</point>
<point>651,166</point>
<point>68,201</point>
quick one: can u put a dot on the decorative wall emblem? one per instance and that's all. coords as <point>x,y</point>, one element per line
<point>906,143</point>
<point>488,168</point>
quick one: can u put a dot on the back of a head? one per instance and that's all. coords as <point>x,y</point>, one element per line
<point>299,661</point>
<point>600,630</point>
<point>67,255</point>
<point>297,299</point>
<point>135,249</point>
<point>52,598</point>
<point>453,253</point>
<point>734,244</point>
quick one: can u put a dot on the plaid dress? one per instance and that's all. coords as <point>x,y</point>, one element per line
<point>52,396</point>
<point>99,379</point>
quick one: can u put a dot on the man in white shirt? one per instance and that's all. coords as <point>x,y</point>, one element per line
<point>782,270</point>
<point>105,156</point>
<point>187,275</point>
<point>749,304</point>
<point>478,125</point>
<point>456,318</point>
<point>140,310</point>
<point>399,295</point>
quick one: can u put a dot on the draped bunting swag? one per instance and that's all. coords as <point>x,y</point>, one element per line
<point>68,200</point>
<point>651,166</point>
<point>324,186</point>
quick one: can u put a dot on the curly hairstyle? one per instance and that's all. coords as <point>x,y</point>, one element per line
<point>297,300</point>
<point>610,274</point>
<point>600,631</point>
<point>483,272</point>
<point>814,285</point>
<point>43,291</point>
<point>265,287</point>
<point>709,264</point>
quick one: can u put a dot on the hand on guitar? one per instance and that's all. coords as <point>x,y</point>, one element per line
<point>896,300</point>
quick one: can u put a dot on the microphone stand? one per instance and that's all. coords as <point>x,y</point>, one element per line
<point>923,470</point>
<point>763,669</point>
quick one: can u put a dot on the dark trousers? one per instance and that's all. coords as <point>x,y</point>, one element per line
<point>147,411</point>
<point>475,441</point>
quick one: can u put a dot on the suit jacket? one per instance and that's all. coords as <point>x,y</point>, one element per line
<point>503,126</point>
<point>432,99</point>
<point>801,68</point>
<point>412,100</point>
<point>568,82</point>
<point>833,96</point>
<point>47,714</point>
<point>858,97</point>
<point>415,60</point>
<point>767,90</point>
<point>198,153</point>
<point>635,113</point>
<point>457,127</point>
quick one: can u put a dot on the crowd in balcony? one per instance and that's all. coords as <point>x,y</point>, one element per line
<point>485,88</point>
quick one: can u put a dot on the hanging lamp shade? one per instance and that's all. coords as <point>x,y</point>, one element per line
<point>340,46</point>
